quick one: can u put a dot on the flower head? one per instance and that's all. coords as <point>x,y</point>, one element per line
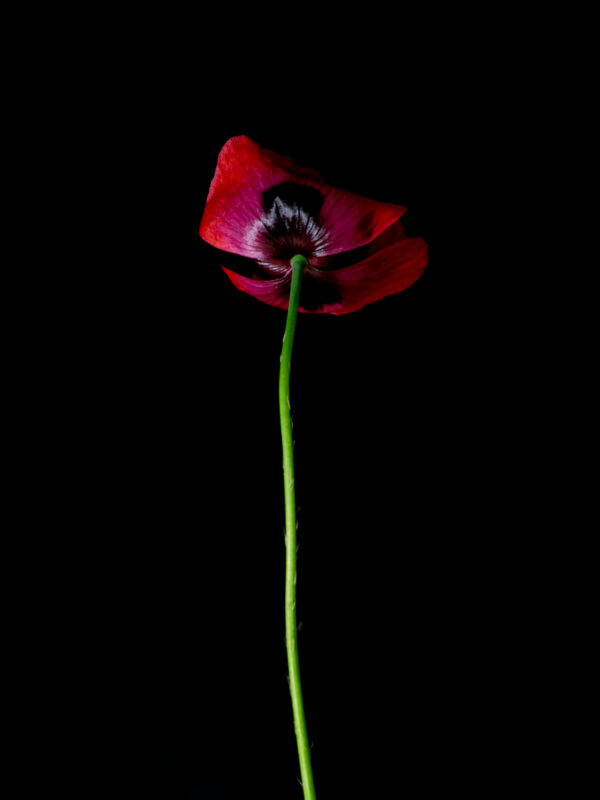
<point>262,209</point>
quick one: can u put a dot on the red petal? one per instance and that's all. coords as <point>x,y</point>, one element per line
<point>232,216</point>
<point>393,264</point>
<point>387,270</point>
<point>274,292</point>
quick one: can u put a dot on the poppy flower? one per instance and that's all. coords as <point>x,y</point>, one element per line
<point>262,209</point>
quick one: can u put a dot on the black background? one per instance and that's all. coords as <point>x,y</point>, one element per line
<point>403,595</point>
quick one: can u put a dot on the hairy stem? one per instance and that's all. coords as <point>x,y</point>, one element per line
<point>291,630</point>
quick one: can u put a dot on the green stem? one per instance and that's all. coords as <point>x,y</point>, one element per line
<point>291,630</point>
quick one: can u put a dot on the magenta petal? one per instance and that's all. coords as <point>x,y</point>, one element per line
<point>388,270</point>
<point>274,292</point>
<point>353,221</point>
<point>234,216</point>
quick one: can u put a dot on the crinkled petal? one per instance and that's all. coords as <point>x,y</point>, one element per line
<point>388,270</point>
<point>394,263</point>
<point>243,204</point>
<point>273,291</point>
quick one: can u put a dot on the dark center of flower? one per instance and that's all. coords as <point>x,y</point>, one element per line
<point>291,221</point>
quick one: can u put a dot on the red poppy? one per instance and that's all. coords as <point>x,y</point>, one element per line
<point>262,209</point>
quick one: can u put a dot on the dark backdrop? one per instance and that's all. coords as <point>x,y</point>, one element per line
<point>400,593</point>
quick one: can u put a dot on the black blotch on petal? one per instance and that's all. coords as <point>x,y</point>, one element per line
<point>307,200</point>
<point>314,294</point>
<point>291,220</point>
